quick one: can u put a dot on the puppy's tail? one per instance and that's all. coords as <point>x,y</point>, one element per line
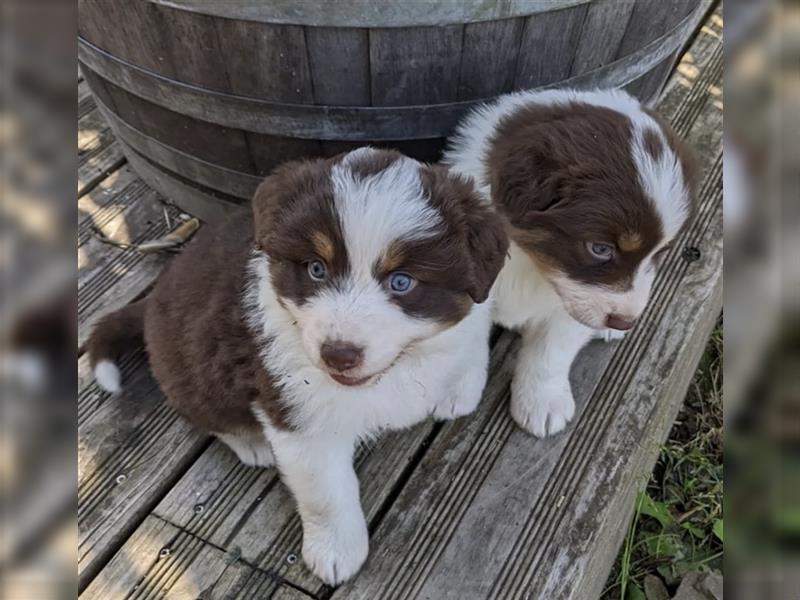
<point>113,334</point>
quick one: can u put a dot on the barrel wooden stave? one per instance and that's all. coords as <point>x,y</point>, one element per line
<point>359,85</point>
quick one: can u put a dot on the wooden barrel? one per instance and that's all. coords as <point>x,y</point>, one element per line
<point>207,97</point>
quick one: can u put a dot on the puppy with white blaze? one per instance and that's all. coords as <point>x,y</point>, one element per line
<point>594,188</point>
<point>350,302</point>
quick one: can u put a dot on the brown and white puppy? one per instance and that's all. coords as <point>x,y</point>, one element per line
<point>351,303</point>
<point>594,187</point>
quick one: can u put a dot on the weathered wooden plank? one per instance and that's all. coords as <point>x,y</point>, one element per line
<point>698,72</point>
<point>550,514</point>
<point>544,59</point>
<point>601,35</point>
<point>131,449</point>
<point>98,155</point>
<point>96,164</point>
<point>119,183</point>
<point>281,73</point>
<point>266,61</point>
<point>248,509</point>
<point>122,209</point>
<point>648,88</point>
<point>159,546</point>
<point>149,48</point>
<point>339,62</point>
<point>435,54</point>
<point>131,446</point>
<point>193,44</point>
<point>488,58</point>
<point>366,13</point>
<point>648,20</point>
<point>85,99</point>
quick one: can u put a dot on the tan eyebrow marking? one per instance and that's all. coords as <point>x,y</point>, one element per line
<point>323,246</point>
<point>629,241</point>
<point>392,259</point>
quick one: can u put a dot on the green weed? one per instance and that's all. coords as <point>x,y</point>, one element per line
<point>678,522</point>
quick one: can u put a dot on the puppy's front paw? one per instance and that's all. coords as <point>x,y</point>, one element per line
<point>543,410</point>
<point>335,554</point>
<point>464,396</point>
<point>458,405</point>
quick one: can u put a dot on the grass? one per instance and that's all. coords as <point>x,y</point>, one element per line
<point>678,523</point>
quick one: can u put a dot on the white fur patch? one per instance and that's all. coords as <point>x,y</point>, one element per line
<point>379,209</point>
<point>108,377</point>
<point>662,179</point>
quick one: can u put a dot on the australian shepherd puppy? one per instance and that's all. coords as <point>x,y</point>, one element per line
<point>594,187</point>
<point>350,302</point>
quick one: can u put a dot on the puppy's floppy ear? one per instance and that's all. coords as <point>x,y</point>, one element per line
<point>525,174</point>
<point>278,193</point>
<point>487,241</point>
<point>267,202</point>
<point>481,230</point>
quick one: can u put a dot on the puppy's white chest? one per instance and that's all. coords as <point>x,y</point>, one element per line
<point>521,294</point>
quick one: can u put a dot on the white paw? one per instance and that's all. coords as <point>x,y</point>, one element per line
<point>335,554</point>
<point>464,396</point>
<point>458,404</point>
<point>608,335</point>
<point>543,410</point>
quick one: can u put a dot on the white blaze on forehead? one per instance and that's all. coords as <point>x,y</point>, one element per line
<point>376,210</point>
<point>663,178</point>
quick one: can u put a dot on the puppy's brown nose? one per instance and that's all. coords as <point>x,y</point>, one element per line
<point>619,322</point>
<point>341,355</point>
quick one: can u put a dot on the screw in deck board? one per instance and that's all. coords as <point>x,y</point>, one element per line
<point>691,254</point>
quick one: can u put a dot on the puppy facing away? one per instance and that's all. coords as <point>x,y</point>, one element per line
<point>594,188</point>
<point>350,302</point>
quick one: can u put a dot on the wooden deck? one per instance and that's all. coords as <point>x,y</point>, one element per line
<point>474,508</point>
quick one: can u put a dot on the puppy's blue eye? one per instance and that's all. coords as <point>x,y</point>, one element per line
<point>601,250</point>
<point>317,270</point>
<point>400,283</point>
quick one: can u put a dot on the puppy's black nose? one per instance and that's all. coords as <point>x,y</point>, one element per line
<point>341,355</point>
<point>619,322</point>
